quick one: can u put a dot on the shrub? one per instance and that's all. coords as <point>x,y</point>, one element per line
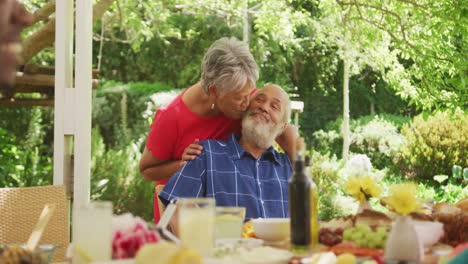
<point>379,140</point>
<point>434,145</point>
<point>324,172</point>
<point>376,136</point>
<point>25,151</point>
<point>118,111</point>
<point>115,177</point>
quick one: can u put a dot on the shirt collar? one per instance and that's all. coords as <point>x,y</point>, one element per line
<point>237,151</point>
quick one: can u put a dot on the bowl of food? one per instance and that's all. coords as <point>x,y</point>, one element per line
<point>429,232</point>
<point>271,229</point>
<point>17,253</point>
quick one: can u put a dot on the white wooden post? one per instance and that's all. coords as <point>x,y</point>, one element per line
<point>83,102</point>
<point>297,107</point>
<point>63,172</point>
<point>72,127</point>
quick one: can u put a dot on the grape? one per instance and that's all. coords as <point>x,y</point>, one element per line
<point>361,242</point>
<point>339,231</point>
<point>364,236</point>
<point>347,234</point>
<point>364,228</point>
<point>371,244</point>
<point>330,237</point>
<point>357,235</point>
<point>381,230</point>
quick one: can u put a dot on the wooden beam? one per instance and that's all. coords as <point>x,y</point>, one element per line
<point>49,70</point>
<point>44,12</point>
<point>44,37</point>
<point>27,82</point>
<point>26,102</point>
<point>35,79</point>
<point>29,88</point>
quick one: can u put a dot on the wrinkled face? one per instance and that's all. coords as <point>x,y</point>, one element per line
<point>234,104</point>
<point>13,18</point>
<point>263,122</point>
<point>268,105</point>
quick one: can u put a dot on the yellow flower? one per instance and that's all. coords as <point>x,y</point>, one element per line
<point>402,198</point>
<point>361,188</point>
<point>370,187</point>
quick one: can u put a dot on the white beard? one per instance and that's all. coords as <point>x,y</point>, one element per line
<point>261,134</point>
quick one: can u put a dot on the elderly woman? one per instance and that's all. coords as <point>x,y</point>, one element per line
<point>13,18</point>
<point>210,109</point>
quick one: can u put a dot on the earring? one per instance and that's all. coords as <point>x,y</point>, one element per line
<point>212,106</point>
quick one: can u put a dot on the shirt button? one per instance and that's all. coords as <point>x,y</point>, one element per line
<point>262,202</point>
<point>258,182</point>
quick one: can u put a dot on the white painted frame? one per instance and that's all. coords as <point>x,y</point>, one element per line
<point>73,98</point>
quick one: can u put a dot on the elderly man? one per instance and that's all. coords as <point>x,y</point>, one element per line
<point>245,172</point>
<point>13,18</point>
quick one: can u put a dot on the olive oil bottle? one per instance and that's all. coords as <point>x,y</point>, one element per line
<point>314,223</point>
<point>299,189</point>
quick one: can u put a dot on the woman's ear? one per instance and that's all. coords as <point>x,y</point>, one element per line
<point>212,91</point>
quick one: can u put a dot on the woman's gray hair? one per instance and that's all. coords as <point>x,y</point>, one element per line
<point>229,66</point>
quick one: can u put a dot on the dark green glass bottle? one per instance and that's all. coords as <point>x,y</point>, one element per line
<point>299,189</point>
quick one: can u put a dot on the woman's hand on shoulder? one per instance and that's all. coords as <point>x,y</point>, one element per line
<point>191,152</point>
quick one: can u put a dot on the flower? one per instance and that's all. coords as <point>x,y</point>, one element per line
<point>358,165</point>
<point>402,198</point>
<point>362,188</point>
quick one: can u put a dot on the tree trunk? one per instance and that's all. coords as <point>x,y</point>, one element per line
<point>245,19</point>
<point>346,132</point>
<point>45,36</point>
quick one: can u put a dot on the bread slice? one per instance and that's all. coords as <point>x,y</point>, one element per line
<point>463,204</point>
<point>446,208</point>
<point>373,218</point>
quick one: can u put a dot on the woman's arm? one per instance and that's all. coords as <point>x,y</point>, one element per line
<point>287,140</point>
<point>154,169</point>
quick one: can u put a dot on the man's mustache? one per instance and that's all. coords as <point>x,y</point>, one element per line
<point>259,111</point>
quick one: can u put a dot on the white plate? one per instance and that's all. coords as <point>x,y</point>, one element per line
<point>239,242</point>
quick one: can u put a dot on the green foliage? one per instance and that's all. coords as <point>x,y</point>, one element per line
<point>423,59</point>
<point>118,111</point>
<point>434,145</point>
<point>324,172</point>
<point>115,177</point>
<point>379,140</point>
<point>25,150</point>
<point>376,136</point>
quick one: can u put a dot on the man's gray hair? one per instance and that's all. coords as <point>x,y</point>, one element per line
<point>287,104</point>
<point>229,66</point>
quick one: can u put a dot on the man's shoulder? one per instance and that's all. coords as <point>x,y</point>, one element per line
<point>282,158</point>
<point>215,144</point>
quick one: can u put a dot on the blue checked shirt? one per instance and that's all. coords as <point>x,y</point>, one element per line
<point>234,177</point>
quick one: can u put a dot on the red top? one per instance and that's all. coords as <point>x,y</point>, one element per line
<point>175,127</point>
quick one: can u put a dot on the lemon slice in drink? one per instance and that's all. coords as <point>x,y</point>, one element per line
<point>186,256</point>
<point>156,253</point>
<point>165,252</point>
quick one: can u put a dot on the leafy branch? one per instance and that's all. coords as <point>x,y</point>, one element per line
<point>401,26</point>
